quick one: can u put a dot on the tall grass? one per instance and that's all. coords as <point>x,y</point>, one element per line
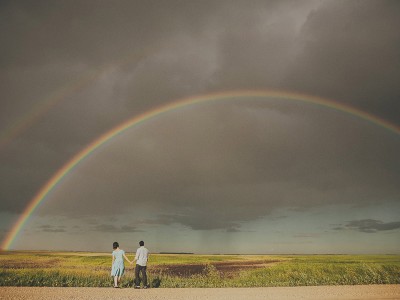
<point>93,270</point>
<point>303,274</point>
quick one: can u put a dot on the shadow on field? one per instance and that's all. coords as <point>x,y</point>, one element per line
<point>226,269</point>
<point>156,282</point>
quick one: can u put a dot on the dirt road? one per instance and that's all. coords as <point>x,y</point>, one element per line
<point>365,292</point>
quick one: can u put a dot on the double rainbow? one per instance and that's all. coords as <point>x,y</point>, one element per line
<point>191,101</point>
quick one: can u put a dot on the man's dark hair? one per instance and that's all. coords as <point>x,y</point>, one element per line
<point>141,243</point>
<point>115,245</point>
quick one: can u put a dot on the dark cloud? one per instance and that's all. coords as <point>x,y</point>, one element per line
<point>88,66</point>
<point>369,225</point>
<point>193,170</point>
<point>116,229</point>
<point>233,230</point>
<point>305,235</point>
<point>76,32</point>
<point>348,51</point>
<point>51,228</point>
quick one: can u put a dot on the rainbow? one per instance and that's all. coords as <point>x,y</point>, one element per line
<point>231,95</point>
<point>46,104</point>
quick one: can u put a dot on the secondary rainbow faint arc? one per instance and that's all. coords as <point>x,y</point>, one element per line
<point>45,105</point>
<point>230,95</point>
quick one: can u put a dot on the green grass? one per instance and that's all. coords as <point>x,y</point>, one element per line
<point>326,270</point>
<point>93,270</point>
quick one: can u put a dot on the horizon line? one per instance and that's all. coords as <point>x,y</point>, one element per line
<point>188,253</point>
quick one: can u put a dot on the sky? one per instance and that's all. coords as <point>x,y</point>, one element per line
<point>234,175</point>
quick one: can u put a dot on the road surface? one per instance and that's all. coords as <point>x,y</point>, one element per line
<point>365,292</point>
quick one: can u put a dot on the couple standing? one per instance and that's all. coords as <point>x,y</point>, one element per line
<point>118,268</point>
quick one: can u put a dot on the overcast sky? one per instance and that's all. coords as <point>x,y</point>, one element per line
<point>239,175</point>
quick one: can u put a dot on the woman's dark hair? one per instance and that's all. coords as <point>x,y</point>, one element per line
<point>115,245</point>
<point>141,243</point>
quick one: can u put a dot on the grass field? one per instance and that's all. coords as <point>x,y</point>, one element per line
<point>73,269</point>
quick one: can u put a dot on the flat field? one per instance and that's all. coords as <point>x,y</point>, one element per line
<point>81,269</point>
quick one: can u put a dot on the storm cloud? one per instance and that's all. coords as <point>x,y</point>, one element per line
<point>113,228</point>
<point>51,228</point>
<point>370,225</point>
<point>72,70</point>
<point>190,169</point>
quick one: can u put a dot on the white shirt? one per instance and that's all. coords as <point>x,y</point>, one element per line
<point>141,256</point>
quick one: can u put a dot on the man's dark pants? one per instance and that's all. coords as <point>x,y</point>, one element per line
<point>141,269</point>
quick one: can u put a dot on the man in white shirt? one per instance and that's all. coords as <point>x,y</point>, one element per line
<point>141,257</point>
